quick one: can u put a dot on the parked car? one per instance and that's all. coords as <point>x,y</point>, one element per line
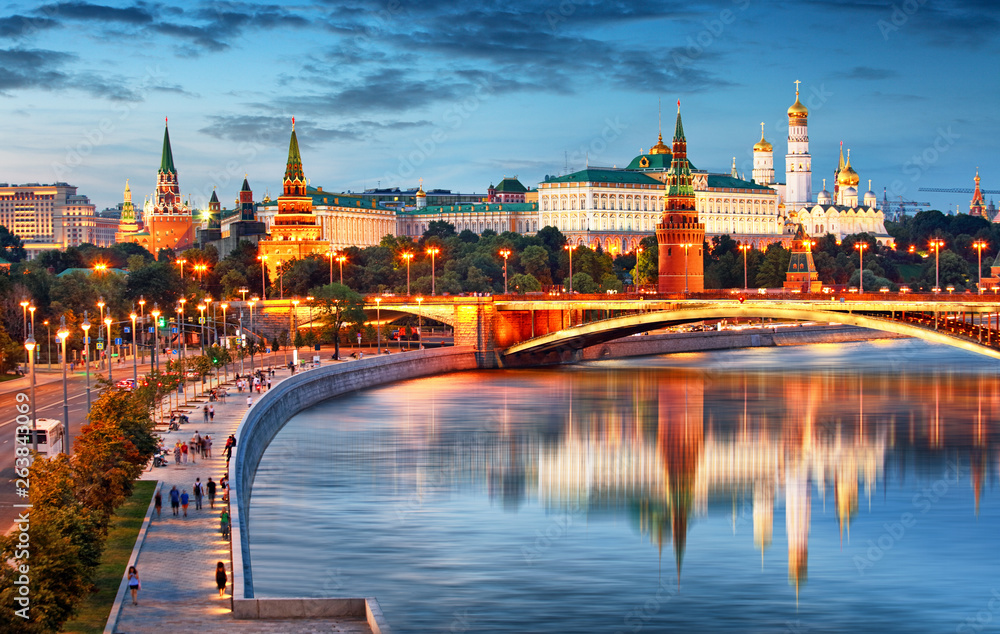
<point>126,384</point>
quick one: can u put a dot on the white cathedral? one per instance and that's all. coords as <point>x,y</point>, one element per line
<point>841,213</point>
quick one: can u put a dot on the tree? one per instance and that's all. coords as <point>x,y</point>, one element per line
<point>582,283</point>
<point>524,283</point>
<point>772,273</point>
<point>610,282</point>
<point>535,261</point>
<point>11,246</point>
<point>647,266</point>
<point>338,305</point>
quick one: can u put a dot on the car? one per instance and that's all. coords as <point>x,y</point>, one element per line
<point>192,374</point>
<point>126,384</point>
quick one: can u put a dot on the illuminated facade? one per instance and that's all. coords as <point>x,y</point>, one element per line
<point>53,216</point>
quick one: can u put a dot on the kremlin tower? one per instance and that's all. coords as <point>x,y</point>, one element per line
<point>679,235</point>
<point>128,224</point>
<point>246,202</point>
<point>978,206</point>
<point>798,162</point>
<point>802,275</point>
<point>763,160</point>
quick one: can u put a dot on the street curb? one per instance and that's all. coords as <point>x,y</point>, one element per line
<point>116,607</point>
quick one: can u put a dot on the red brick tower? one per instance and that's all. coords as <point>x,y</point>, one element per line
<point>679,234</point>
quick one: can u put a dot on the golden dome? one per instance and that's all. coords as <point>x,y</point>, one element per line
<point>660,147</point>
<point>848,177</point>
<point>762,145</point>
<point>797,110</point>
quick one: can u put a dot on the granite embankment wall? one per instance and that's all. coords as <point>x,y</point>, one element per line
<point>270,413</point>
<point>641,345</point>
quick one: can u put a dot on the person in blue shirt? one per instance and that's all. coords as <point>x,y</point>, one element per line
<point>175,499</point>
<point>184,501</point>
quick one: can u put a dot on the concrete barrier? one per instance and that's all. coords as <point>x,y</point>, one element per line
<point>266,418</point>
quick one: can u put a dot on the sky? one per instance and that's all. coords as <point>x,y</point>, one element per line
<point>461,94</point>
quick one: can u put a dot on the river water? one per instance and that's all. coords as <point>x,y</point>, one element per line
<point>825,488</point>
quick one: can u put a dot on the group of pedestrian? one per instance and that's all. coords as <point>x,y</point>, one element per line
<point>230,446</point>
<point>209,412</point>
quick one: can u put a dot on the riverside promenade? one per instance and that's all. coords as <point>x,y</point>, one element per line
<point>176,556</point>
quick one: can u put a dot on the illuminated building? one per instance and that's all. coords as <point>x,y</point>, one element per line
<point>53,216</point>
<point>802,275</point>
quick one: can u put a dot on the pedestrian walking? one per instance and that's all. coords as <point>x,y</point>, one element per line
<point>184,452</point>
<point>224,523</point>
<point>133,584</point>
<point>208,446</point>
<point>220,577</point>
<point>193,448</point>
<point>175,499</point>
<point>185,498</point>
<point>210,487</point>
<point>211,412</point>
<point>205,411</point>
<point>177,452</point>
<point>158,503</point>
<point>249,401</point>
<point>196,489</point>
<point>269,385</point>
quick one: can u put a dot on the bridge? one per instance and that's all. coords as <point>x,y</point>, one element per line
<point>514,330</point>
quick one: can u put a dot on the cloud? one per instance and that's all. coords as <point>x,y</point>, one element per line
<point>866,73</point>
<point>98,12</point>
<point>270,130</point>
<point>17,26</point>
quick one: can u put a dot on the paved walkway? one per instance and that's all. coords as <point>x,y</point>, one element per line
<point>177,560</point>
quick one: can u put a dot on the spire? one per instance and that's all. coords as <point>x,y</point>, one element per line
<point>679,127</point>
<point>733,171</point>
<point>167,160</point>
<point>840,165</point>
<point>214,198</point>
<point>293,169</point>
<point>128,192</point>
<point>246,184</point>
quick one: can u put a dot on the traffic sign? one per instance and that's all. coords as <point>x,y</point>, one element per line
<point>174,330</point>
<point>151,329</point>
<point>118,341</point>
<point>127,329</point>
<point>201,320</point>
<point>100,345</point>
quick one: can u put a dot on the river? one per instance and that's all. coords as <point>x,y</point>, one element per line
<point>823,488</point>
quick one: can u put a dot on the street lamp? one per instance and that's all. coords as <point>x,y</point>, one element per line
<point>142,319</point>
<point>63,333</point>
<point>407,256</point>
<point>979,245</point>
<point>201,307</point>
<point>86,353</point>
<point>686,247</point>
<point>253,300</point>
<point>181,262</point>
<point>31,309</point>
<point>433,251</point>
<point>101,267</point>
<point>156,335</point>
<point>744,248</point>
<point>29,345</point>
<point>100,305</point>
<point>48,342</point>
<point>331,254</point>
<point>225,307</point>
<point>341,259</point>
<point>861,246</point>
<point>378,325</point>
<point>936,245</point>
<point>571,248</point>
<point>135,367</point>
<point>294,325</point>
<point>263,275</point>
<point>24,313</point>
<point>505,253</point>
<point>243,292</point>
<point>107,349</point>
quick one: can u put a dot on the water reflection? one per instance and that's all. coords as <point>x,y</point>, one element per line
<point>664,448</point>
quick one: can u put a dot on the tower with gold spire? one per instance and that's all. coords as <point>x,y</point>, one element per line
<point>763,160</point>
<point>978,205</point>
<point>798,161</point>
<point>679,234</point>
<point>128,224</point>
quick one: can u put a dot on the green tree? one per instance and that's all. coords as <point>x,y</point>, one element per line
<point>439,229</point>
<point>774,267</point>
<point>11,246</point>
<point>523,283</point>
<point>338,306</point>
<point>582,283</point>
<point>647,266</point>
<point>535,261</point>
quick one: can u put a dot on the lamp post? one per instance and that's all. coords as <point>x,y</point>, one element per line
<point>135,365</point>
<point>181,262</point>
<point>332,254</point>
<point>107,350</point>
<point>201,268</point>
<point>340,260</point>
<point>263,276</point>
<point>936,244</point>
<point>686,247</point>
<point>48,343</point>
<point>156,335</point>
<point>31,309</point>
<point>433,251</point>
<point>408,256</point>
<point>243,292</point>
<point>24,314</point>
<point>979,245</point>
<point>744,248</point>
<point>182,348</point>
<point>294,328</point>
<point>63,333</point>
<point>86,353</point>
<point>253,300</point>
<point>142,320</point>
<point>29,345</point>
<point>100,305</point>
<point>225,367</point>
<point>861,246</point>
<point>505,253</point>
<point>571,248</point>
<point>281,280</point>
<point>378,325</point>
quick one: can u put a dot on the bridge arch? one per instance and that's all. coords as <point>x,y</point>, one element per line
<point>593,333</point>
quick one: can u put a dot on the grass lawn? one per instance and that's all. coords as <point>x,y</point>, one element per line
<point>125,525</point>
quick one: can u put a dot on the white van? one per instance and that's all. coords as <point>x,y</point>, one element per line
<point>50,437</point>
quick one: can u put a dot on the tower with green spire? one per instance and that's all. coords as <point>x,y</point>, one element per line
<point>168,191</point>
<point>170,223</point>
<point>679,234</point>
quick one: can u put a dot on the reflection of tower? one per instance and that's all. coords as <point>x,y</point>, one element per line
<point>846,492</point>
<point>763,515</point>
<point>681,443</point>
<point>797,513</point>
<point>679,234</point>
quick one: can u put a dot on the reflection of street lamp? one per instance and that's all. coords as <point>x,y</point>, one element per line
<point>686,247</point>
<point>744,248</point>
<point>63,333</point>
<point>433,251</point>
<point>979,245</point>
<point>107,349</point>
<point>407,256</point>
<point>570,248</point>
<point>861,246</point>
<point>936,246</point>
<point>86,353</point>
<point>29,345</point>
<point>135,367</point>
<point>378,325</point>
<point>505,253</point>
<point>420,335</point>
<point>156,335</point>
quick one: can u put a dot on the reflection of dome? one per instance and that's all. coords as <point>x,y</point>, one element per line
<point>660,147</point>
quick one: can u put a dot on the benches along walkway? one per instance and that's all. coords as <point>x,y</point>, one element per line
<point>178,556</point>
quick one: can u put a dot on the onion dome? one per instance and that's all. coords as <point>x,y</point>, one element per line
<point>848,177</point>
<point>762,145</point>
<point>797,113</point>
<point>660,147</point>
<point>824,197</point>
<point>850,192</point>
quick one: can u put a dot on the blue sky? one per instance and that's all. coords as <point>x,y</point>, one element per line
<point>461,94</point>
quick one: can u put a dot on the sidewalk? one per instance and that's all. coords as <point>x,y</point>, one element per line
<point>177,559</point>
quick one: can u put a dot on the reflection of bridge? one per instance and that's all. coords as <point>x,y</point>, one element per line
<point>517,330</point>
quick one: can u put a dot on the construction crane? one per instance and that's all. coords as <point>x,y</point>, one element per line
<point>897,210</point>
<point>957,190</point>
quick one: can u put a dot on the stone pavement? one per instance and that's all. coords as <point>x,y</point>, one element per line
<point>177,560</point>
